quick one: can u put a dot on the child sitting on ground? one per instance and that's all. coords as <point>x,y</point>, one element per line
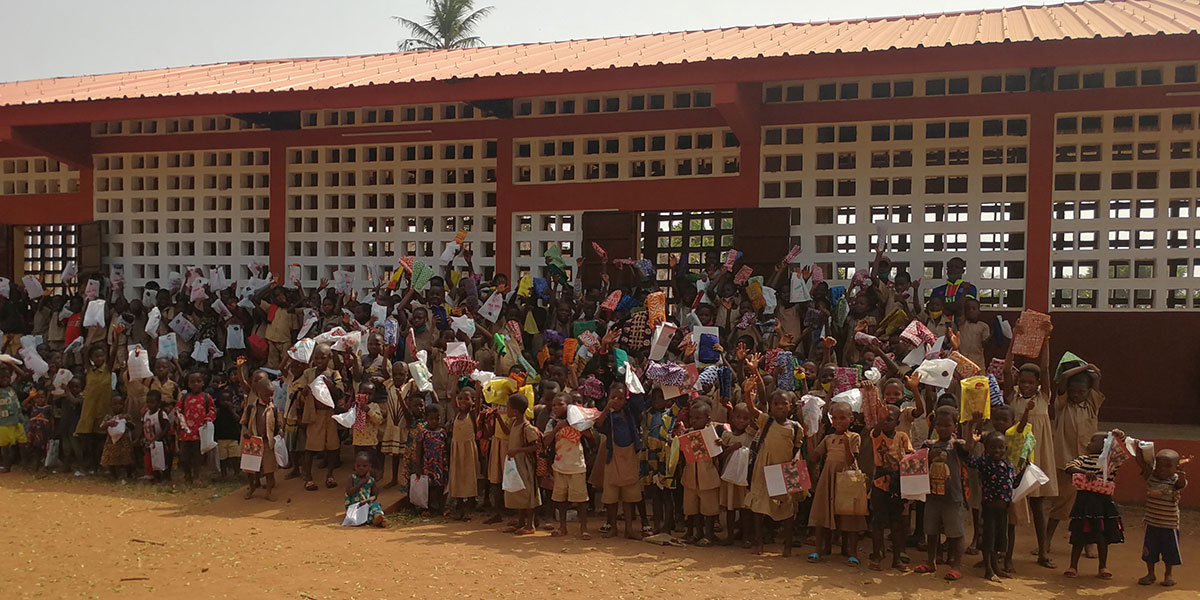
<point>361,488</point>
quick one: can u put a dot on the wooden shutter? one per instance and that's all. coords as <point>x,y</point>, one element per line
<point>616,231</point>
<point>8,252</point>
<point>763,235</point>
<point>89,248</point>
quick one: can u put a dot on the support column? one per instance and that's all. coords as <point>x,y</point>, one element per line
<point>1039,209</point>
<point>277,246</point>
<point>505,197</point>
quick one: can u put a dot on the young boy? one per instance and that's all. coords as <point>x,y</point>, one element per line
<point>570,470</point>
<point>11,430</point>
<point>228,433</point>
<point>1164,485</point>
<point>320,430</point>
<point>887,508</point>
<point>622,482</point>
<point>945,508</point>
<point>701,486</point>
<point>996,476</point>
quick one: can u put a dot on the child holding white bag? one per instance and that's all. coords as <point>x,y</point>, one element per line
<point>118,441</point>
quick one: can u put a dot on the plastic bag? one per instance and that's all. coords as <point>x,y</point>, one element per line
<point>222,311</point>
<point>53,450</point>
<point>153,320</point>
<point>91,291</point>
<point>320,391</point>
<point>70,272</point>
<point>33,286</point>
<point>116,430</point>
<point>34,362</point>
<point>281,452</point>
<point>5,287</point>
<point>1032,479</point>
<point>418,490</point>
<point>357,514</point>
<point>975,398</point>
<point>581,418</point>
<point>302,351</point>
<point>811,412</point>
<point>850,493</point>
<point>139,363</point>
<point>182,326</point>
<point>208,439</point>
<point>512,477</point>
<point>168,347</point>
<point>235,338</point>
<point>158,457</point>
<point>852,397</point>
<point>938,372</point>
<point>347,418</point>
<point>737,467</point>
<point>420,373</point>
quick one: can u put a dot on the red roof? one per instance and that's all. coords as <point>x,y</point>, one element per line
<point>1082,20</point>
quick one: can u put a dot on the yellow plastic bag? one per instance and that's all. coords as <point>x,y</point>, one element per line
<point>976,398</point>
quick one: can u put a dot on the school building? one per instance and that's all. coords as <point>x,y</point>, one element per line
<point>1053,148</point>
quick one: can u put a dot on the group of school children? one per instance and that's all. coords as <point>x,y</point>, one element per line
<point>553,393</point>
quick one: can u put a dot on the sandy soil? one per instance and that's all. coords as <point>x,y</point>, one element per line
<point>90,538</point>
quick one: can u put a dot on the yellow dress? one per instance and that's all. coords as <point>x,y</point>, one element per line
<point>779,447</point>
<point>521,436</point>
<point>464,458</point>
<point>97,400</point>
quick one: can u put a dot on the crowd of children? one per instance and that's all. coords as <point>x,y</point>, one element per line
<point>787,405</point>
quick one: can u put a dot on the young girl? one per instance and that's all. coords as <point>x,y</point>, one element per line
<point>320,430</point>
<point>156,426</point>
<point>733,496</point>
<point>361,488</point>
<point>259,419</point>
<point>840,450</point>
<point>1031,397</point>
<point>396,420</point>
<point>1076,415</point>
<point>12,432</point>
<point>432,460</point>
<point>1021,444</point>
<point>658,481</point>
<point>368,418</point>
<point>118,440</point>
<point>464,454</point>
<point>41,426</point>
<point>570,469</point>
<point>195,409</point>
<point>779,441</point>
<point>1095,518</point>
<point>97,396</point>
<point>523,440</point>
<point>996,475</point>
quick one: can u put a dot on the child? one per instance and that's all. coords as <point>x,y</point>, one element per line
<point>464,454</point>
<point>733,496</point>
<point>227,431</point>
<point>196,409</point>
<point>523,439</point>
<point>41,425</point>
<point>1076,414</point>
<point>618,422</point>
<point>658,481</point>
<point>11,430</point>
<point>701,486</point>
<point>259,419</point>
<point>1021,444</point>
<point>996,475</point>
<point>279,327</point>
<point>570,469</point>
<point>320,430</point>
<point>118,441</point>
<point>396,420</point>
<point>1031,396</point>
<point>887,508</point>
<point>97,395</point>
<point>972,333</point>
<point>779,441</point>
<point>1095,518</point>
<point>368,417</point>
<point>361,488</point>
<point>432,460</point>
<point>1164,485</point>
<point>840,450</point>
<point>945,505</point>
<point>155,427</point>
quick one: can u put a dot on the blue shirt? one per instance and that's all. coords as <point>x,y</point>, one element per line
<point>621,427</point>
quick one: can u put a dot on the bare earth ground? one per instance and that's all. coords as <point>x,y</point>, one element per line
<point>91,538</point>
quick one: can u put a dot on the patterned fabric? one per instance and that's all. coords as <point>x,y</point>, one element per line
<point>995,477</point>
<point>656,306</point>
<point>435,459</point>
<point>636,333</point>
<point>666,373</point>
<point>196,410</point>
<point>645,267</point>
<point>725,381</point>
<point>657,428</point>
<point>363,494</point>
<point>552,336</point>
<point>707,377</point>
<point>785,379</point>
<point>592,388</point>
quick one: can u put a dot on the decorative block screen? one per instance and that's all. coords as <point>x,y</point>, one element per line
<point>36,175</point>
<point>626,157</point>
<point>533,233</point>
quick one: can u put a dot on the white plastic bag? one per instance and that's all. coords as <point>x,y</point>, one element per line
<point>168,347</point>
<point>937,372</point>
<point>465,324</point>
<point>357,514</point>
<point>91,291</point>
<point>62,378</point>
<point>309,321</point>
<point>94,317</point>
<point>216,279</point>
<point>737,467</point>
<point>208,439</point>
<point>5,287</point>
<point>347,418</point>
<point>420,373</point>
<point>235,338</point>
<point>853,397</point>
<point>174,282</point>
<point>632,383</point>
<point>581,418</point>
<point>182,326</point>
<point>70,273</point>
<point>116,430</point>
<point>320,391</point>
<point>222,311</point>
<point>158,457</point>
<point>1032,479</point>
<point>302,351</point>
<point>378,312</point>
<point>34,362</point>
<point>512,477</point>
<point>811,412</point>
<point>153,320</point>
<point>33,286</point>
<point>139,363</point>
<point>418,490</point>
<point>198,291</point>
<point>281,452</point>
<point>53,449</point>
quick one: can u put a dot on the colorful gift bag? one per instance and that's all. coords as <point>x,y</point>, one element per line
<point>610,303</point>
<point>754,291</point>
<point>743,275</point>
<point>664,332</point>
<point>421,274</point>
<point>845,378</point>
<point>965,366</point>
<point>731,257</point>
<point>914,475</point>
<point>787,478</point>
<point>873,409</point>
<point>1081,482</point>
<point>975,398</point>
<point>893,321</point>
<point>656,306</point>
<point>1028,335</point>
<point>850,493</point>
<point>590,340</point>
<point>916,333</point>
<point>600,251</point>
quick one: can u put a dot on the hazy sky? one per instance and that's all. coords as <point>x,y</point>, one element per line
<point>50,38</point>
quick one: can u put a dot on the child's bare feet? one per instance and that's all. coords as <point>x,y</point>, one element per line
<point>249,493</point>
<point>270,496</point>
<point>379,522</point>
<point>633,534</point>
<point>609,533</point>
<point>583,535</point>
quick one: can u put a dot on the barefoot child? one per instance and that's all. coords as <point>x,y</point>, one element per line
<point>840,450</point>
<point>996,475</point>
<point>622,482</point>
<point>1076,414</point>
<point>320,430</point>
<point>432,458</point>
<point>701,486</point>
<point>945,506</point>
<point>733,496</point>
<point>570,469</point>
<point>196,409</point>
<point>1021,443</point>
<point>779,440</point>
<point>118,441</point>
<point>1164,485</point>
<point>887,508</point>
<point>259,419</point>
<point>523,440</point>
<point>396,420</point>
<point>1095,518</point>
<point>464,454</point>
<point>227,431</point>
<point>1029,396</point>
<point>361,488</point>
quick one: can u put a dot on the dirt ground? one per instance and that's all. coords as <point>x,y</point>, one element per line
<point>91,538</point>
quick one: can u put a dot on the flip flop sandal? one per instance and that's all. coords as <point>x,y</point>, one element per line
<point>814,557</point>
<point>1147,580</point>
<point>1168,582</point>
<point>558,533</point>
<point>903,568</point>
<point>331,483</point>
<point>1071,573</point>
<point>953,575</point>
<point>852,561</point>
<point>310,486</point>
<point>524,531</point>
<point>924,568</point>
<point>1047,563</point>
<point>875,566</point>
<point>703,543</point>
<point>1104,574</point>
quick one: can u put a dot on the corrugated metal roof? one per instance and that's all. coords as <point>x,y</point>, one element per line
<point>1102,19</point>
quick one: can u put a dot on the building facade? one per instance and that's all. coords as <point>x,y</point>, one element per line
<point>1052,148</point>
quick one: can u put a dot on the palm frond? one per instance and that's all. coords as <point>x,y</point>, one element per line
<point>449,24</point>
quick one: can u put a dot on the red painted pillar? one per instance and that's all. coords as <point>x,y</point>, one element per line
<point>1039,209</point>
<point>277,246</point>
<point>505,196</point>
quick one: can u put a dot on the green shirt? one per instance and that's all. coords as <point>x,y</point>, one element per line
<point>10,407</point>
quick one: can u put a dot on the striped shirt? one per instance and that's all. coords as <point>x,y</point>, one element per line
<point>1088,464</point>
<point>1162,502</point>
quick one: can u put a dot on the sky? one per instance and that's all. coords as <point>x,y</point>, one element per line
<point>54,38</point>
